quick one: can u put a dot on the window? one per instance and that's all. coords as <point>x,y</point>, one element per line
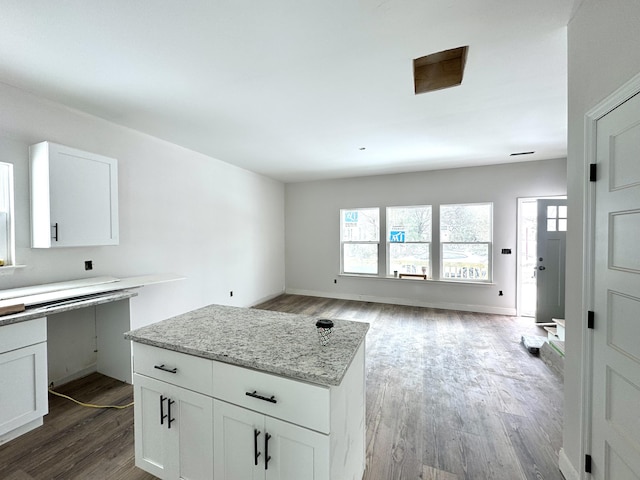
<point>6,214</point>
<point>359,240</point>
<point>465,241</point>
<point>556,218</point>
<point>409,240</point>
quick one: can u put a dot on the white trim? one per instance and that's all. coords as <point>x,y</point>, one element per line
<point>405,301</point>
<point>617,98</point>
<point>566,468</point>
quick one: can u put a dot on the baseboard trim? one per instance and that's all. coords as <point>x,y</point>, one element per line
<point>405,301</point>
<point>74,376</point>
<point>566,468</point>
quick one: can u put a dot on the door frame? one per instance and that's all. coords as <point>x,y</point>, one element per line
<point>519,267</point>
<point>610,103</point>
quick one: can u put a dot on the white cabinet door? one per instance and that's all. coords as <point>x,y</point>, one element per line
<point>296,453</point>
<point>252,446</point>
<point>238,443</point>
<point>23,391</point>
<point>173,431</point>
<point>74,197</point>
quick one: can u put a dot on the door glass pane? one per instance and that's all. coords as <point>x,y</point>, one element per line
<point>551,225</point>
<point>552,211</point>
<point>562,225</point>
<point>562,211</point>
<point>360,258</point>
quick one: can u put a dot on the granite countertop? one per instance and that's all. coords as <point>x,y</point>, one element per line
<point>66,305</point>
<point>273,342</point>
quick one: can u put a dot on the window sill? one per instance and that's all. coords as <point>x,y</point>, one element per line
<point>418,280</point>
<point>9,269</point>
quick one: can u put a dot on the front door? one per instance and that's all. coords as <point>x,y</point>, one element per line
<point>615,441</point>
<point>551,248</point>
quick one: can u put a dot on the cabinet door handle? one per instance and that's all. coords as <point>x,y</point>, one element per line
<point>169,403</point>
<point>55,227</point>
<point>266,451</point>
<point>165,369</point>
<point>256,453</point>
<point>162,415</point>
<point>254,394</point>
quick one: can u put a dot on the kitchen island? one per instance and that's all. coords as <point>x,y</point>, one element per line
<point>234,393</point>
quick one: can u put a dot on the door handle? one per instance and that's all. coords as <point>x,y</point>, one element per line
<point>266,451</point>
<point>542,267</point>
<point>162,414</point>
<point>256,453</point>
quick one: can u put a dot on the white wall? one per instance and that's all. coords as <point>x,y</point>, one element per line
<point>220,226</point>
<point>603,39</point>
<point>312,230</point>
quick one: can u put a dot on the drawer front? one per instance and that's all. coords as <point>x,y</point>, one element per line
<point>172,367</point>
<point>297,402</point>
<point>22,334</point>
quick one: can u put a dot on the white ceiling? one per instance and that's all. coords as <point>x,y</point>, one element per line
<point>294,88</point>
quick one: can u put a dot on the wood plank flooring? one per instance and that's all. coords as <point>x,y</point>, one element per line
<point>450,396</point>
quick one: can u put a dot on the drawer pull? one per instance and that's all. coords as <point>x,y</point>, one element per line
<point>254,394</point>
<point>165,369</point>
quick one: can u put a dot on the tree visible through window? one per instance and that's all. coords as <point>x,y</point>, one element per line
<point>359,239</point>
<point>466,241</point>
<point>409,239</point>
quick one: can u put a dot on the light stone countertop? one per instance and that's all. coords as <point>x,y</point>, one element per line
<point>60,306</point>
<point>272,342</point>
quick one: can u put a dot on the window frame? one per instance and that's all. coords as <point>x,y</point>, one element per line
<point>489,246</point>
<point>7,198</point>
<point>359,242</point>
<point>429,244</point>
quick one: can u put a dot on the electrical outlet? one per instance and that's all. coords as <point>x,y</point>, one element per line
<point>500,293</point>
<point>231,293</point>
<point>88,264</point>
<point>335,280</point>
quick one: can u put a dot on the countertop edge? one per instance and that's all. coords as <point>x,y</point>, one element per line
<point>291,374</point>
<point>65,306</point>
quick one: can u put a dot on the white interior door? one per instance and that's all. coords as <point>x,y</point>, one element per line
<point>615,441</point>
<point>551,245</point>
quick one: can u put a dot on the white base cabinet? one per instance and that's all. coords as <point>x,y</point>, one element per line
<point>244,424</point>
<point>249,445</point>
<point>173,434</point>
<point>23,377</point>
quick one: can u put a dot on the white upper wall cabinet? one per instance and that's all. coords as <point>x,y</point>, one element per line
<point>74,197</point>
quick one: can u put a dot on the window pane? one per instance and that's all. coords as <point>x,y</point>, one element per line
<point>562,225</point>
<point>361,224</point>
<point>552,211</point>
<point>360,258</point>
<point>409,224</point>
<point>465,223</point>
<point>460,261</point>
<point>562,212</point>
<point>551,225</point>
<point>409,258</point>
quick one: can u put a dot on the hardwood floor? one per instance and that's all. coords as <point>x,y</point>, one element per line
<point>450,396</point>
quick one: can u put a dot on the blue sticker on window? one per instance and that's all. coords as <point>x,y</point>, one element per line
<point>396,236</point>
<point>351,217</point>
